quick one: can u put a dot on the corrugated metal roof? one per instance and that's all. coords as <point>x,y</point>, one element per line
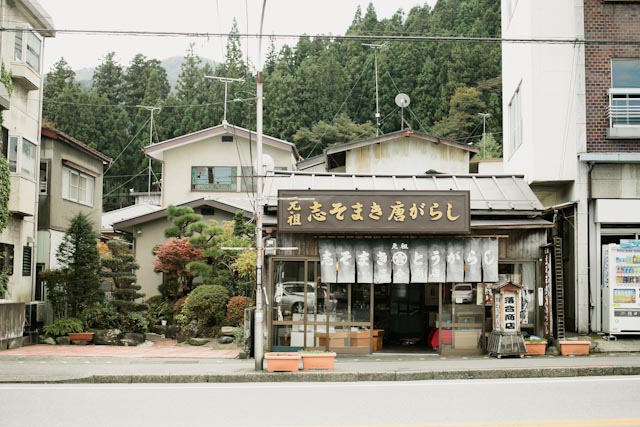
<point>487,192</point>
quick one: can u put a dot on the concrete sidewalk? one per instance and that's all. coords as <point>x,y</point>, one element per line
<point>376,367</point>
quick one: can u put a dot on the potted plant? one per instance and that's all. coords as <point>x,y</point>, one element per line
<point>68,326</point>
<point>282,361</point>
<point>317,360</point>
<point>536,345</point>
<point>574,347</point>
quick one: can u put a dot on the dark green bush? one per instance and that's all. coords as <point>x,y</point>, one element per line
<point>101,316</point>
<point>134,322</point>
<point>62,326</point>
<point>206,305</point>
<point>235,310</point>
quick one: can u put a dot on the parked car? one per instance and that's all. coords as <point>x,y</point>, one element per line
<point>462,293</point>
<point>293,297</point>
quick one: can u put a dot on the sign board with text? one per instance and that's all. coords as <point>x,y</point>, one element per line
<point>373,212</point>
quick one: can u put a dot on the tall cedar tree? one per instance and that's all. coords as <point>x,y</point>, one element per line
<point>119,267</point>
<point>80,261</point>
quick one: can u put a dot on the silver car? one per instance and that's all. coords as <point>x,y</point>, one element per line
<point>290,296</point>
<point>462,293</point>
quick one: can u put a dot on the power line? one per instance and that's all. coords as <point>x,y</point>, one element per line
<point>359,37</point>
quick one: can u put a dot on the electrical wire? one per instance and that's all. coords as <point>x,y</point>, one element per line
<point>127,146</point>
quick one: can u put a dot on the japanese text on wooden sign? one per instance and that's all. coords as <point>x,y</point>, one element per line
<point>375,212</point>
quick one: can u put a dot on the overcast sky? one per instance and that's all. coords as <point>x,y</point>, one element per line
<point>203,16</point>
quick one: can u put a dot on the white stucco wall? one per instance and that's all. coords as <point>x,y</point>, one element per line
<point>551,79</point>
<point>213,152</point>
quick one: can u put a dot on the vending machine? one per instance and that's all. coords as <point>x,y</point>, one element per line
<point>621,288</point>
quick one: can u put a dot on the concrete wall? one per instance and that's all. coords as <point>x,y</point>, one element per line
<point>551,82</point>
<point>407,156</point>
<point>611,181</point>
<point>12,317</point>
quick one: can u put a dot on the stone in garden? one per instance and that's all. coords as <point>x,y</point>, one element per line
<point>199,341</point>
<point>107,337</point>
<point>128,342</point>
<point>228,331</point>
<point>553,351</point>
<point>63,340</point>
<point>49,340</point>
<point>171,331</point>
<point>225,340</point>
<point>135,337</point>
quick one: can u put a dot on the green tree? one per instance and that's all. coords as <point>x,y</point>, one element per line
<point>489,148</point>
<point>313,141</point>
<point>108,80</point>
<point>79,260</point>
<point>463,118</point>
<point>119,268</point>
<point>60,77</point>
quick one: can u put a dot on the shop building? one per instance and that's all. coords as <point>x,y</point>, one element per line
<point>359,263</point>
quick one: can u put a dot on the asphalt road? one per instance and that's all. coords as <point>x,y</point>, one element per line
<point>562,402</point>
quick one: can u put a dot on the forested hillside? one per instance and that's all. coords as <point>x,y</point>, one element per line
<point>317,93</point>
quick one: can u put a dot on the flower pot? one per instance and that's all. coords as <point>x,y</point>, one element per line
<point>536,348</point>
<point>282,361</point>
<point>574,348</point>
<point>318,361</point>
<point>81,336</point>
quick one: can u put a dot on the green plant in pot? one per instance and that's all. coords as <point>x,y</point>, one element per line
<point>63,326</point>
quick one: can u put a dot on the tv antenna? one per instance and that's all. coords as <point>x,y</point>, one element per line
<point>226,81</point>
<point>375,48</point>
<point>402,101</point>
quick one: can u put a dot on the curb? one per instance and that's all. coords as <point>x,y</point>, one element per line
<point>333,376</point>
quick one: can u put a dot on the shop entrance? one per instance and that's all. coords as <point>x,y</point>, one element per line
<point>407,314</point>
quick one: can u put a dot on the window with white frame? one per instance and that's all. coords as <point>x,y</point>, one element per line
<point>624,95</point>
<point>28,48</point>
<point>22,156</point>
<point>214,178</point>
<point>77,186</point>
<point>515,121</point>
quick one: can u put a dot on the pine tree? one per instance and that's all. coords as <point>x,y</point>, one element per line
<point>108,80</point>
<point>80,261</point>
<point>119,267</point>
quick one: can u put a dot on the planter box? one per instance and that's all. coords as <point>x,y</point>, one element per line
<point>536,348</point>
<point>577,348</point>
<point>81,336</point>
<point>282,361</point>
<point>318,361</point>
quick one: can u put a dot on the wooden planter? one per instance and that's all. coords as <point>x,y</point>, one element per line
<point>318,361</point>
<point>282,361</point>
<point>81,336</point>
<point>576,348</point>
<point>536,348</point>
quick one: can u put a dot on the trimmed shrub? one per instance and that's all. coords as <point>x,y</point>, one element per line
<point>235,310</point>
<point>101,316</point>
<point>206,305</point>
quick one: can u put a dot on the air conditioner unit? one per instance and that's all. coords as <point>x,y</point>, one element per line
<point>34,315</point>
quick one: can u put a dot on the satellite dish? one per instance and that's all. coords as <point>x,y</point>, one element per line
<point>403,100</point>
<point>267,164</point>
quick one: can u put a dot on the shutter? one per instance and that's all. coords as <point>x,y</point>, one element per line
<point>26,260</point>
<point>65,183</point>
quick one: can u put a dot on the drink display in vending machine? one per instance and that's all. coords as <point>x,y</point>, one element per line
<point>621,292</point>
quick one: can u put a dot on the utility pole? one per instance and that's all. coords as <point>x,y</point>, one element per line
<point>375,48</point>
<point>226,81</point>
<point>258,349</point>
<point>484,127</point>
<point>152,109</point>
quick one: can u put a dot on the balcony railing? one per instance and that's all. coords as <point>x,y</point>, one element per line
<point>624,113</point>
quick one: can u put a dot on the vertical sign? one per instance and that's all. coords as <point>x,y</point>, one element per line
<point>400,261</point>
<point>327,251</point>
<point>489,248</point>
<point>346,261</point>
<point>437,261</point>
<point>364,261</point>
<point>381,262</point>
<point>455,264</point>
<point>419,262</point>
<point>509,312</point>
<point>497,304</point>
<point>472,262</point>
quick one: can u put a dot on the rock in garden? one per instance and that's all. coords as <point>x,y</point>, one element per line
<point>171,331</point>
<point>107,337</point>
<point>553,351</point>
<point>128,342</point>
<point>199,341</point>
<point>49,341</point>
<point>225,340</point>
<point>158,329</point>
<point>228,331</point>
<point>63,340</point>
<point>135,337</point>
